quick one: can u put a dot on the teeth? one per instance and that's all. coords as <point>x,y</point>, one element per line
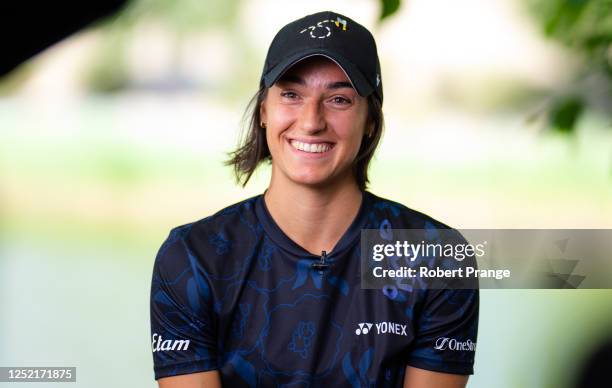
<point>309,147</point>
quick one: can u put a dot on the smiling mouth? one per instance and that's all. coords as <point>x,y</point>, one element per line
<point>315,148</point>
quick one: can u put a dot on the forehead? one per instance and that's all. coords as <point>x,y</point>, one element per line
<point>315,68</point>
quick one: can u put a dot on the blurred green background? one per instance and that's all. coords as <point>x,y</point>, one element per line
<point>497,116</point>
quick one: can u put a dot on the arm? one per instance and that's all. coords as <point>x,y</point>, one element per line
<point>446,327</point>
<point>421,378</point>
<point>444,347</point>
<point>183,325</point>
<point>208,379</point>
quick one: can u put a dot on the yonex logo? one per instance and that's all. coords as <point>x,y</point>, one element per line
<point>321,31</point>
<point>364,328</point>
<point>158,344</point>
<point>382,328</point>
<point>444,343</point>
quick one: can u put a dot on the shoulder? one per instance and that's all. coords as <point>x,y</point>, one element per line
<point>386,214</point>
<point>400,216</point>
<point>214,235</point>
<point>238,215</point>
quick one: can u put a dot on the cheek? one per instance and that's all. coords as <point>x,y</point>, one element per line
<point>273,142</point>
<point>280,117</point>
<point>277,123</point>
<point>355,145</point>
<point>352,132</point>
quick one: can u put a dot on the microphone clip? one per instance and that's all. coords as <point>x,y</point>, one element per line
<point>320,265</point>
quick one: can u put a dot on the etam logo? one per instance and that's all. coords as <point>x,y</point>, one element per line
<point>158,344</point>
<point>444,343</point>
<point>382,328</point>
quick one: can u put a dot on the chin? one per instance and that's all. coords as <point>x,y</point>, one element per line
<point>310,180</point>
<point>315,180</point>
<point>313,176</point>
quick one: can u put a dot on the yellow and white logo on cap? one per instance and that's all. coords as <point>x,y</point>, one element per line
<point>322,31</point>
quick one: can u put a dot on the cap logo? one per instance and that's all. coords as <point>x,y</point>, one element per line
<point>321,31</point>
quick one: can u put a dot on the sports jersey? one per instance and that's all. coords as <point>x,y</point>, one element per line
<point>232,292</point>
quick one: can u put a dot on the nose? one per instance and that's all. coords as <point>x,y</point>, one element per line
<point>312,118</point>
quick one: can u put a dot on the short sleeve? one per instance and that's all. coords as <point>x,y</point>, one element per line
<point>446,331</point>
<point>183,330</point>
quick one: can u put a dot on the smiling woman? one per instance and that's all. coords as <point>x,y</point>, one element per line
<point>255,148</point>
<point>266,292</point>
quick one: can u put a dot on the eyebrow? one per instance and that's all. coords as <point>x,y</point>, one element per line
<point>290,78</point>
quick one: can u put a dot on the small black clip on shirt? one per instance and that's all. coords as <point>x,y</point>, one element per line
<point>320,265</point>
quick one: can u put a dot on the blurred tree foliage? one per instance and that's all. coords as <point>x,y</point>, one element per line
<point>388,8</point>
<point>186,15</point>
<point>108,69</point>
<point>584,26</point>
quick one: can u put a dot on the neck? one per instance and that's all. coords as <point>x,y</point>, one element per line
<point>313,217</point>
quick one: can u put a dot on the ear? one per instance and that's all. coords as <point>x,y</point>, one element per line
<point>262,111</point>
<point>369,131</point>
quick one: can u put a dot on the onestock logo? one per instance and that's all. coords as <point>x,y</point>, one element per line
<point>444,343</point>
<point>158,344</point>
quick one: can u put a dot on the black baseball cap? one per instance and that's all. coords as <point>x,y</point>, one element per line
<point>330,34</point>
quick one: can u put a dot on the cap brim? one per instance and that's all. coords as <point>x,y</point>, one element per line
<point>361,85</point>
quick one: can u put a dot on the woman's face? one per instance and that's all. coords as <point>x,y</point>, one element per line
<point>315,122</point>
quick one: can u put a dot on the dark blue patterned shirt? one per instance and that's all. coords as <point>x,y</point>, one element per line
<point>232,292</point>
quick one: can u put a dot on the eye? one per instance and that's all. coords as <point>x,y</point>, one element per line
<point>339,100</point>
<point>289,94</point>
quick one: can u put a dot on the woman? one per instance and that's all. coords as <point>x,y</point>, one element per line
<point>267,291</point>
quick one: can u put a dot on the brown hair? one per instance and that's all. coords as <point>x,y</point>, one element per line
<point>253,148</point>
